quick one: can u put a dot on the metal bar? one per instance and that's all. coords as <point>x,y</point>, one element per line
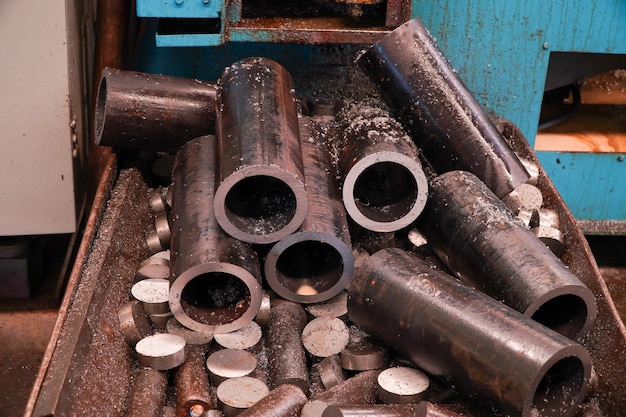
<point>315,263</point>
<point>215,279</point>
<point>481,242</point>
<point>442,116</point>
<point>459,335</point>
<point>193,393</point>
<point>283,401</point>
<point>148,393</point>
<point>137,110</point>
<point>261,196</point>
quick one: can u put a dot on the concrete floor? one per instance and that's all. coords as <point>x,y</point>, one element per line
<point>26,326</point>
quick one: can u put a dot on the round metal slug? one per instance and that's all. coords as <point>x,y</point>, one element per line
<point>533,171</point>
<point>153,294</point>
<point>153,242</point>
<point>156,200</point>
<point>261,196</point>
<point>333,307</point>
<point>331,372</point>
<point>325,336</point>
<point>526,196</point>
<point>384,188</point>
<point>215,279</point>
<point>161,351</point>
<point>402,385</point>
<point>363,355</point>
<point>163,230</point>
<point>238,394</point>
<point>134,323</point>
<point>263,315</point>
<point>153,267</point>
<point>192,337</point>
<point>230,363</point>
<point>243,338</point>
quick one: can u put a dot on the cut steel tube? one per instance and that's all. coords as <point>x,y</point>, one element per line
<point>444,119</point>
<point>383,185</point>
<point>499,357</point>
<point>286,356</point>
<point>482,243</point>
<point>214,279</point>
<point>193,393</point>
<point>152,112</point>
<point>315,263</point>
<point>261,196</point>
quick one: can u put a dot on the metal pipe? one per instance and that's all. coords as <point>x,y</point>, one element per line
<point>443,118</point>
<point>214,279</point>
<point>148,393</point>
<point>315,263</point>
<point>261,196</point>
<point>487,350</point>
<point>155,112</point>
<point>285,353</point>
<point>193,393</point>
<point>482,243</point>
<point>384,187</point>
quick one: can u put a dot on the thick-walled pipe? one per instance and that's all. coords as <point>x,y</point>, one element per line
<point>442,116</point>
<point>214,279</point>
<point>152,112</point>
<point>193,392</point>
<point>315,263</point>
<point>482,243</point>
<point>261,196</point>
<point>489,351</point>
<point>383,185</point>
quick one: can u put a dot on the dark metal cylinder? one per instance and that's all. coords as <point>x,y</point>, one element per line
<point>261,196</point>
<point>442,116</point>
<point>383,185</point>
<point>315,263</point>
<point>285,353</point>
<point>428,409</point>
<point>374,410</point>
<point>152,112</point>
<point>214,279</point>
<point>358,389</point>
<point>481,241</point>
<point>487,350</point>
<point>148,394</point>
<point>283,401</point>
<point>193,393</point>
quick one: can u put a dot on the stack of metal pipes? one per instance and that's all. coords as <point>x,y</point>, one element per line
<point>406,212</point>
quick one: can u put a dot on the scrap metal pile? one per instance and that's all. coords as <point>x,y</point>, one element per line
<point>330,265</point>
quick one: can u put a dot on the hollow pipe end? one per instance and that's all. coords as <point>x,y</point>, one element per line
<point>365,218</point>
<point>222,323</point>
<point>309,289</point>
<point>261,230</point>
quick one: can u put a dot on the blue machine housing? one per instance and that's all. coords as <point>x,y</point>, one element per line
<point>500,49</point>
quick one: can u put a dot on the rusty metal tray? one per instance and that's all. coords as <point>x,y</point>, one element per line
<point>87,368</point>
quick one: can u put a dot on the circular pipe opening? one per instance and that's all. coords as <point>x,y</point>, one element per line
<point>215,298</point>
<point>385,192</point>
<point>565,314</point>
<point>310,267</point>
<point>100,110</point>
<point>560,388</point>
<point>260,205</point>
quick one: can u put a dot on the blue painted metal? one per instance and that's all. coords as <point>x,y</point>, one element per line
<point>500,49</point>
<point>179,8</point>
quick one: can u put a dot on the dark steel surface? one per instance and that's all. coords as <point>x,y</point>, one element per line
<point>315,263</point>
<point>285,400</point>
<point>427,409</point>
<point>261,196</point>
<point>148,394</point>
<point>482,243</point>
<point>193,393</point>
<point>383,185</point>
<point>215,279</point>
<point>377,410</point>
<point>492,353</point>
<point>152,112</point>
<point>358,389</point>
<point>442,116</point>
<point>285,353</point>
